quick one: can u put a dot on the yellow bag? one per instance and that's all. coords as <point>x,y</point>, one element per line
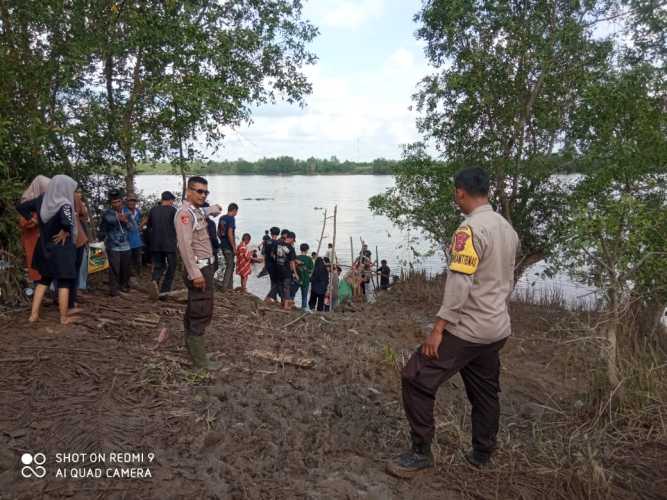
<point>97,258</point>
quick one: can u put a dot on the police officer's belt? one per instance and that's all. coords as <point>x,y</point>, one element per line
<point>202,263</point>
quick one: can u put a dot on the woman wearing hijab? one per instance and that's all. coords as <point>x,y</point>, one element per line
<point>55,253</point>
<point>319,282</point>
<point>30,226</point>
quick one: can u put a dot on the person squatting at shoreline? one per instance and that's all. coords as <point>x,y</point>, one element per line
<point>471,327</point>
<point>195,248</point>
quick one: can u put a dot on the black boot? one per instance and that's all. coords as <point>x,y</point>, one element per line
<point>411,463</point>
<point>478,458</point>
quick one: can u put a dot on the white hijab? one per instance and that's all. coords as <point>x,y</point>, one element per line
<point>36,188</point>
<point>60,192</point>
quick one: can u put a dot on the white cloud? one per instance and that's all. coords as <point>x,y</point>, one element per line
<point>357,115</point>
<point>345,14</point>
<point>401,59</point>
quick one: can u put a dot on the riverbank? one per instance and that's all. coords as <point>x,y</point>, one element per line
<point>307,406</point>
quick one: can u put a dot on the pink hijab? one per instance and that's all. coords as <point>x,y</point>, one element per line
<point>37,187</point>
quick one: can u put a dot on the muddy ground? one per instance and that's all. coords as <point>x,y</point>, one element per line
<point>262,429</point>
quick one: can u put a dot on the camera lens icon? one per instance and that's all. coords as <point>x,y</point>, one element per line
<point>28,459</point>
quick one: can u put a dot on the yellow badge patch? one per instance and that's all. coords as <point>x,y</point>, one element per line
<point>464,256</point>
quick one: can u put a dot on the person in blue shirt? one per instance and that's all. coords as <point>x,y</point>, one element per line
<point>115,226</point>
<point>134,234</point>
<point>226,231</point>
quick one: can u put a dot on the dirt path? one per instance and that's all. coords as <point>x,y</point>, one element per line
<point>261,429</point>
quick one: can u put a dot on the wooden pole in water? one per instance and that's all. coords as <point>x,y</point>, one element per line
<point>333,261</point>
<point>351,251</point>
<point>324,225</point>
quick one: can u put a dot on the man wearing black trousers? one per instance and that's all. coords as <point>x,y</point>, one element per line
<point>472,326</point>
<point>116,226</point>
<point>160,223</point>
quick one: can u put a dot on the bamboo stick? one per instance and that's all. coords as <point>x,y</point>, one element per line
<point>324,225</point>
<point>333,261</point>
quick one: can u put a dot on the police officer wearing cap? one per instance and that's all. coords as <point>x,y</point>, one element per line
<point>194,246</point>
<point>471,327</point>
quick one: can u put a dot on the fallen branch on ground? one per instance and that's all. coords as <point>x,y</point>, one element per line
<point>295,320</point>
<point>285,359</point>
<point>20,360</point>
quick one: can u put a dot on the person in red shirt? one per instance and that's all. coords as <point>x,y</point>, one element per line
<point>244,261</point>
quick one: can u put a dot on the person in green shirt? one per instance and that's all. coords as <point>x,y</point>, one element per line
<point>305,269</point>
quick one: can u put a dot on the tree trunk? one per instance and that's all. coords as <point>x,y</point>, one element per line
<point>130,170</point>
<point>126,139</point>
<point>612,351</point>
<point>612,344</point>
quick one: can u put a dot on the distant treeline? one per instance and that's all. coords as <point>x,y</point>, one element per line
<point>286,165</point>
<point>283,165</point>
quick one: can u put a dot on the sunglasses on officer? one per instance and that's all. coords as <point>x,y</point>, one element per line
<point>201,191</point>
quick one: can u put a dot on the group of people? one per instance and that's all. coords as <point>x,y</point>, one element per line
<point>471,326</point>
<point>131,238</point>
<point>198,238</point>
<point>54,235</point>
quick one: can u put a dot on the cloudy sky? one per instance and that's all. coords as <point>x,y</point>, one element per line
<point>369,64</point>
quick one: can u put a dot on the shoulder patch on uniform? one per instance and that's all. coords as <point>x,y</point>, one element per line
<point>185,219</point>
<point>464,256</point>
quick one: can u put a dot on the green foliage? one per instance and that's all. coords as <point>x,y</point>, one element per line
<point>102,84</point>
<point>12,275</point>
<point>613,234</point>
<point>527,91</point>
<point>616,240</point>
<point>10,190</point>
<point>422,196</point>
<point>647,26</point>
<point>618,130</point>
<point>507,74</point>
<point>501,97</point>
<point>88,87</point>
<point>284,165</point>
